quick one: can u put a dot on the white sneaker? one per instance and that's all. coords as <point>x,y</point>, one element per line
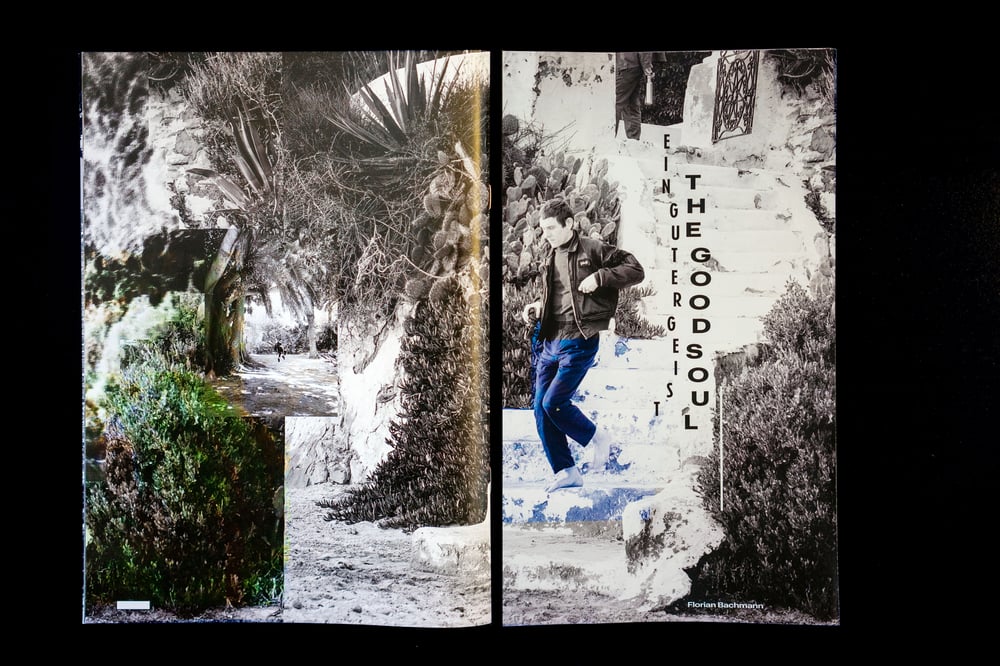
<point>566,478</point>
<point>601,443</point>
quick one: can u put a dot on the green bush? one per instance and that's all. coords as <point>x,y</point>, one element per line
<point>437,472</point>
<point>181,339</point>
<point>187,516</point>
<point>779,438</point>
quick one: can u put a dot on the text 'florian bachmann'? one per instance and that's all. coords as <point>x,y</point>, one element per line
<point>723,604</point>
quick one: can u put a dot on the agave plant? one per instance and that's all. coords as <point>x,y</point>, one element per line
<point>380,132</point>
<point>251,160</point>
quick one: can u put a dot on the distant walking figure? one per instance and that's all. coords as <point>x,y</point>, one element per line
<point>279,350</point>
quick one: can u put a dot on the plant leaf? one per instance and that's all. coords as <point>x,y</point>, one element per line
<point>383,116</point>
<point>258,151</point>
<point>249,144</point>
<point>436,99</point>
<point>394,93</point>
<point>227,186</point>
<point>255,183</point>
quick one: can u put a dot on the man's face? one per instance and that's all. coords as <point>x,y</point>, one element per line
<point>556,234</point>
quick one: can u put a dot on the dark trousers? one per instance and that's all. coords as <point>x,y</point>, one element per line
<point>628,97</point>
<point>561,366</point>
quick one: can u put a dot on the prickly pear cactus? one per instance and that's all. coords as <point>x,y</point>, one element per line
<point>452,231</point>
<point>583,183</point>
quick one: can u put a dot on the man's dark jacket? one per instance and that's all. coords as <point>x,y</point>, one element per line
<point>615,269</point>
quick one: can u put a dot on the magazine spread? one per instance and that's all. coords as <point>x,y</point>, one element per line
<point>669,337</point>
<point>286,345</point>
<point>287,324</point>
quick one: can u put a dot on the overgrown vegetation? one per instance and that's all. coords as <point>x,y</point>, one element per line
<point>188,514</point>
<point>518,369</point>
<point>779,436</point>
<point>410,170</point>
<point>393,170</point>
<point>814,201</point>
<point>438,470</point>
<point>670,77</point>
<point>629,320</point>
<point>370,204</point>
<point>798,69</point>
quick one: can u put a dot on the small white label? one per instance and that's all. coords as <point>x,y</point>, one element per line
<point>133,605</point>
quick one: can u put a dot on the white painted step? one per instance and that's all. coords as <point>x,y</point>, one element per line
<point>566,557</point>
<point>661,306</point>
<point>723,284</point>
<point>745,199</point>
<point>631,463</point>
<point>790,263</point>
<point>710,175</point>
<point>624,353</point>
<point>714,220</point>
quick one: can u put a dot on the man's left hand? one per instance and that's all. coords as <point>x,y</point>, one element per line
<point>589,283</point>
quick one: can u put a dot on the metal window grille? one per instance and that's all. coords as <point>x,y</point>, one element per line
<point>735,94</point>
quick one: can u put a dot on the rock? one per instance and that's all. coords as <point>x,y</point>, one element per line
<point>181,184</point>
<point>309,450</point>
<point>185,144</point>
<point>664,535</point>
<point>454,551</point>
<point>462,550</point>
<point>823,141</point>
<point>822,244</point>
<point>829,201</point>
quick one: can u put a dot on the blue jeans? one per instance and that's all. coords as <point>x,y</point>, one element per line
<point>561,366</point>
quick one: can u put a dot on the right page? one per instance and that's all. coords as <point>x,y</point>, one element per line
<point>669,337</point>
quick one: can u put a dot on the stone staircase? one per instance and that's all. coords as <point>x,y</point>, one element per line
<point>760,234</point>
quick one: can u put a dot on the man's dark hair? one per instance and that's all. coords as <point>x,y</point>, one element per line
<point>557,208</point>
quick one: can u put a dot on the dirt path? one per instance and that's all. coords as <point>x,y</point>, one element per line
<point>361,574</point>
<point>295,386</point>
<point>337,573</point>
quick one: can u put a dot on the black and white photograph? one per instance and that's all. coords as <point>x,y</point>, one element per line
<point>285,271</point>
<point>669,337</point>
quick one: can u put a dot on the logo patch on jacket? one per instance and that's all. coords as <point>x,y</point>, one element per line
<point>583,262</point>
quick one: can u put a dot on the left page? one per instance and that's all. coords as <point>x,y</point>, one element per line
<point>285,301</point>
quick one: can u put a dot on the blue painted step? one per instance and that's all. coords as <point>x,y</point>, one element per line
<point>525,504</point>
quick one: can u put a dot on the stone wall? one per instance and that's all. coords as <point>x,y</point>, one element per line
<point>795,133</point>
<point>369,399</point>
<point>312,455</point>
<point>570,96</point>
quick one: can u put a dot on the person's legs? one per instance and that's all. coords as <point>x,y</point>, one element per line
<point>562,365</point>
<point>627,98</point>
<point>634,127</point>
<point>626,87</point>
